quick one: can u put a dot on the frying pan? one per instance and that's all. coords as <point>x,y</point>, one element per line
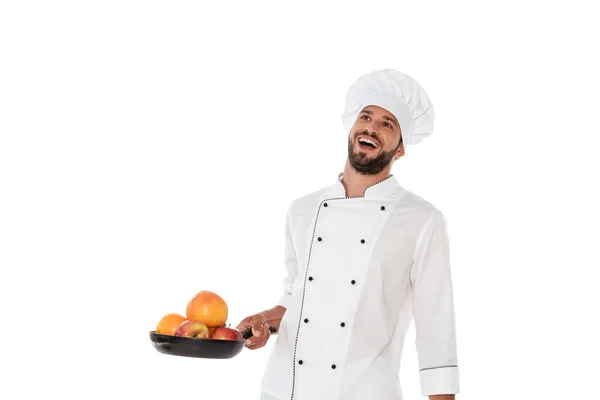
<point>200,348</point>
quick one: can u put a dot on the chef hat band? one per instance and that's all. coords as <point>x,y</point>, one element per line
<point>399,94</point>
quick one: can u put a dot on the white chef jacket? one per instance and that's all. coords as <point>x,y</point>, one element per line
<point>358,270</point>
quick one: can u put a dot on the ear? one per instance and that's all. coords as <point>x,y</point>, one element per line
<point>400,151</point>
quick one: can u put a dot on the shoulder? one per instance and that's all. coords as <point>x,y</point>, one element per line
<point>306,203</point>
<point>413,200</point>
<point>421,209</point>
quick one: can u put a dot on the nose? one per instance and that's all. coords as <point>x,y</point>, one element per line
<point>371,128</point>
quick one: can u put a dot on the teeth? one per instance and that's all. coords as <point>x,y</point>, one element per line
<point>362,139</point>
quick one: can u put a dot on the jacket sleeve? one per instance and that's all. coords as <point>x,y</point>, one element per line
<point>433,309</point>
<point>290,263</point>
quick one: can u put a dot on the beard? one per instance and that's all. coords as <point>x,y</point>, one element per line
<point>365,165</point>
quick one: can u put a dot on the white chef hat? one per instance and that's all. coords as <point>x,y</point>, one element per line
<point>399,94</point>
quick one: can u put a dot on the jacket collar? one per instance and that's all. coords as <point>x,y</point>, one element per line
<point>386,188</point>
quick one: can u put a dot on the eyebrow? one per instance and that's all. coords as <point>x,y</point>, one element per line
<point>384,117</point>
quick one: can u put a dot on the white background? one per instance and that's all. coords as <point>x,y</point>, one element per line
<point>149,150</point>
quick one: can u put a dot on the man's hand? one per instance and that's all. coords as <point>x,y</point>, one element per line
<point>442,397</point>
<point>260,326</point>
<point>260,330</point>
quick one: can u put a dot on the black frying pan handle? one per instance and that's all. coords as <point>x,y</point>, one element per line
<point>247,333</point>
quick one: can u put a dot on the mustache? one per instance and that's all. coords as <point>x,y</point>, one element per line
<point>366,133</point>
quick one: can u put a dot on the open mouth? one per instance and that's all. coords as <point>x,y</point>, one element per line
<point>367,144</point>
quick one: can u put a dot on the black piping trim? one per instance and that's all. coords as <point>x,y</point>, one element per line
<point>312,240</point>
<point>443,366</point>
<point>364,191</point>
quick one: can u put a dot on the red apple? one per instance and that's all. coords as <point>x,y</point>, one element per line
<point>192,329</point>
<point>224,333</point>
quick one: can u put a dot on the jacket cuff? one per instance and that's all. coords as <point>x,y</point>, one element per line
<point>439,380</point>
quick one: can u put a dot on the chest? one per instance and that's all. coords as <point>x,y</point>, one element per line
<point>344,240</point>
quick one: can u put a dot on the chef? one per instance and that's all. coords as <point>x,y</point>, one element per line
<point>363,258</point>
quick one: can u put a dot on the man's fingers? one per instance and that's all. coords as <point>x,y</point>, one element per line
<point>256,331</point>
<point>258,328</point>
<point>242,326</point>
<point>256,342</point>
<point>259,340</point>
<point>256,346</point>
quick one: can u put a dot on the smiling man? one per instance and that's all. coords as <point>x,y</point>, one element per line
<point>364,257</point>
<point>371,151</point>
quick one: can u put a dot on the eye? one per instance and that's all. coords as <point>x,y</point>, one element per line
<point>365,116</point>
<point>387,124</point>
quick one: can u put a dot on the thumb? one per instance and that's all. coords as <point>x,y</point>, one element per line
<point>257,324</point>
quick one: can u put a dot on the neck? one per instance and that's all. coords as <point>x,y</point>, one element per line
<point>356,183</point>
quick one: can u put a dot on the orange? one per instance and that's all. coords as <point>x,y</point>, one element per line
<point>208,308</point>
<point>169,323</point>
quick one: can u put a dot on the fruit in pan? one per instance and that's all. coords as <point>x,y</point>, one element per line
<point>212,328</point>
<point>169,323</point>
<point>192,329</point>
<point>208,308</point>
<point>224,333</point>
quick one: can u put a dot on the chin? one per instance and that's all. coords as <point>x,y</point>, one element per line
<point>359,154</point>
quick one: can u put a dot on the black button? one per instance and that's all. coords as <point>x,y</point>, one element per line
<point>305,319</point>
<point>310,278</point>
<point>353,281</point>
<point>300,362</point>
<point>333,366</point>
<point>319,238</point>
<point>382,208</point>
<point>343,324</point>
<point>325,205</point>
<point>362,240</point>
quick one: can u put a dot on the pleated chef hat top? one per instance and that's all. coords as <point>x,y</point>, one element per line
<point>399,94</point>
